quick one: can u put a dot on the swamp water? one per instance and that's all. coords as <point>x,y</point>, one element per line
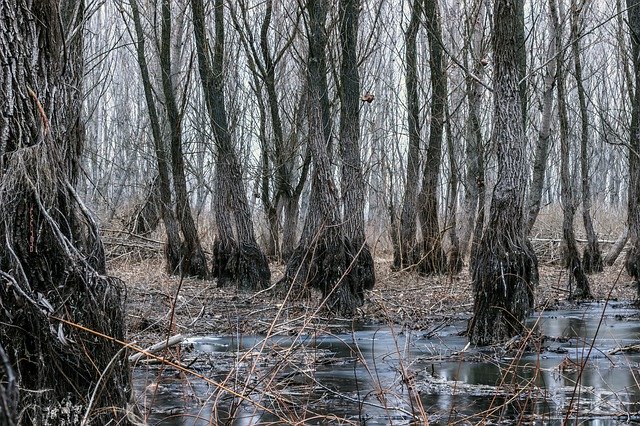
<point>377,375</point>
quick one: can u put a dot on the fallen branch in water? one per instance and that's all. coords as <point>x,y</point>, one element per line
<point>167,343</point>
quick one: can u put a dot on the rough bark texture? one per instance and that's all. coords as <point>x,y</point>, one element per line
<point>406,254</point>
<point>52,265</point>
<point>8,391</point>
<point>433,259</point>
<point>575,272</point>
<point>352,184</point>
<point>455,260</point>
<point>172,247</point>
<point>632,261</point>
<point>505,270</point>
<point>237,258</point>
<point>326,258</point>
<point>542,145</point>
<point>193,261</point>
<point>146,214</point>
<point>592,255</point>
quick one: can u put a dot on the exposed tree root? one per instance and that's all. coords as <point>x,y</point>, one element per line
<point>243,266</point>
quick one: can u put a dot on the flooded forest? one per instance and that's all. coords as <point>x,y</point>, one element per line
<point>350,212</point>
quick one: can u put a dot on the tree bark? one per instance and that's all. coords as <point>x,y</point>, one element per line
<point>352,184</point>
<point>406,255</point>
<point>52,264</point>
<point>544,134</point>
<point>237,258</point>
<point>505,270</point>
<point>433,259</point>
<point>172,247</point>
<point>592,255</point>
<point>325,259</point>
<point>571,256</point>
<point>193,261</point>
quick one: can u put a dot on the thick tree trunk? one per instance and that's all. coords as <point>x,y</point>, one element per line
<point>505,270</point>
<point>592,256</point>
<point>193,261</point>
<point>52,264</point>
<point>237,259</point>
<point>172,247</point>
<point>433,259</point>
<point>571,256</point>
<point>406,255</point>
<point>352,183</point>
<point>632,261</point>
<point>327,258</point>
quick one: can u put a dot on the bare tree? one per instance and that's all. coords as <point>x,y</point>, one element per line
<point>592,256</point>
<point>193,261</point>
<point>571,256</point>
<point>505,270</point>
<point>325,258</point>
<point>405,253</point>
<point>433,259</point>
<point>52,264</point>
<point>172,247</point>
<point>237,258</point>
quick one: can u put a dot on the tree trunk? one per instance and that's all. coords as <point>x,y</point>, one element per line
<point>542,146</point>
<point>193,261</point>
<point>592,256</point>
<point>632,261</point>
<point>237,259</point>
<point>455,261</point>
<point>353,185</point>
<point>433,260</point>
<point>52,264</point>
<point>172,247</point>
<point>474,151</point>
<point>571,256</point>
<point>325,257</point>
<point>505,270</point>
<point>406,256</point>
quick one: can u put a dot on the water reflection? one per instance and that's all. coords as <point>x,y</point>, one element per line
<point>381,376</point>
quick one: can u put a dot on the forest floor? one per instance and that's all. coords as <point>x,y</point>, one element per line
<point>159,305</point>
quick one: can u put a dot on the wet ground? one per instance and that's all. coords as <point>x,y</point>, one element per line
<point>576,364</point>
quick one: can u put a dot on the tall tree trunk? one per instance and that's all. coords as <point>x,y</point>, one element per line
<point>592,256</point>
<point>542,145</point>
<point>632,262</point>
<point>52,263</point>
<point>324,258</point>
<point>172,247</point>
<point>571,256</point>
<point>505,270</point>
<point>474,151</point>
<point>193,261</point>
<point>237,258</point>
<point>455,261</point>
<point>406,255</point>
<point>433,260</point>
<point>352,183</point>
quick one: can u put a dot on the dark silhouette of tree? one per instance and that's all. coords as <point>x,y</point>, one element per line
<point>237,259</point>
<point>505,270</point>
<point>54,291</point>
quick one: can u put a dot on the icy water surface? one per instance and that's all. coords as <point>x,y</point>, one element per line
<point>376,375</point>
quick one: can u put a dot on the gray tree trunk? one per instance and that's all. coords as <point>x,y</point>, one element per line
<point>433,259</point>
<point>52,263</point>
<point>192,258</point>
<point>237,258</point>
<point>505,270</point>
